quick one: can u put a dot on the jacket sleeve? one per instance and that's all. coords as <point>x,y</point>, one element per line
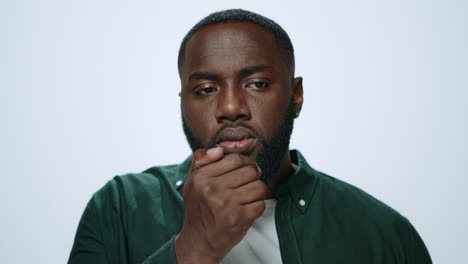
<point>89,246</point>
<point>417,252</point>
<point>413,249</point>
<point>165,254</point>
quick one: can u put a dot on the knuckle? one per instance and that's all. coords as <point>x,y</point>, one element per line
<point>198,186</point>
<point>208,188</point>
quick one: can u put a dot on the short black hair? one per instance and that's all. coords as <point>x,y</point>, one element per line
<point>240,15</point>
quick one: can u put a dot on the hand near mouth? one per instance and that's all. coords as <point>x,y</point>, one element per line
<point>223,195</point>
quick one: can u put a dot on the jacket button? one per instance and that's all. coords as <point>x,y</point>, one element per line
<point>178,183</point>
<point>302,202</point>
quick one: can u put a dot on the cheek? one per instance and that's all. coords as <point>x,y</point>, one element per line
<point>200,119</point>
<point>268,113</point>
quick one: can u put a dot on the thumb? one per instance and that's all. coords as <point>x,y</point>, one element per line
<point>204,157</point>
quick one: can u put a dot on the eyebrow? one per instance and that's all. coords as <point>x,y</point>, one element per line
<point>254,69</point>
<point>204,76</point>
<point>243,72</point>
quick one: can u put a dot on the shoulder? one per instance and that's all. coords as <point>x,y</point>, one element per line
<point>145,206</point>
<point>132,187</point>
<point>344,200</point>
<point>375,224</point>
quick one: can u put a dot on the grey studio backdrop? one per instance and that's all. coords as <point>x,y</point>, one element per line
<point>89,91</point>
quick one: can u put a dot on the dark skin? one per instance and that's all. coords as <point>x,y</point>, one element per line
<point>232,72</point>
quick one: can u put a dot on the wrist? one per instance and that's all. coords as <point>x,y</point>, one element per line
<point>191,252</point>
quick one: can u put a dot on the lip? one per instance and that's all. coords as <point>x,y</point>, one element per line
<point>238,146</point>
<point>236,140</point>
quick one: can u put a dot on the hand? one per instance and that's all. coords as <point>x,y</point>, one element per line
<point>223,196</point>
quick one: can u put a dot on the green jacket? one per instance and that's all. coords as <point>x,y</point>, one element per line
<point>134,219</point>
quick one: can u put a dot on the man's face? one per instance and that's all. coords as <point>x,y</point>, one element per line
<point>238,92</point>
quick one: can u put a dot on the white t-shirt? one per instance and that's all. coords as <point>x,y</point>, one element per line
<point>260,244</point>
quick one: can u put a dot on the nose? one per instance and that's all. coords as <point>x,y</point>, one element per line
<point>232,106</point>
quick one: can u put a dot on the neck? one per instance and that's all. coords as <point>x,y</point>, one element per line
<point>286,169</point>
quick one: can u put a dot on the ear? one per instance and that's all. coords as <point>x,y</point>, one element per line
<point>298,97</point>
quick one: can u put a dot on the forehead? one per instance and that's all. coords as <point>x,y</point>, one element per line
<point>231,46</point>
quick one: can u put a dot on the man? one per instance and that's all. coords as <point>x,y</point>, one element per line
<point>242,197</point>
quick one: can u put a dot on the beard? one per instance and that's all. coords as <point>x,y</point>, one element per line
<point>273,150</point>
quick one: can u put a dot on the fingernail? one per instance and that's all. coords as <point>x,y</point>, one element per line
<point>212,151</point>
<point>259,169</point>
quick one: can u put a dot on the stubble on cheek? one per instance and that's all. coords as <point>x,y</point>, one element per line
<point>197,135</point>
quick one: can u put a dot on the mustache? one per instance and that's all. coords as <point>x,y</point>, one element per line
<point>212,141</point>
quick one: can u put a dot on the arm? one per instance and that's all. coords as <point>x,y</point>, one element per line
<point>88,246</point>
<point>418,253</point>
<point>223,196</point>
<point>165,254</point>
<point>412,248</point>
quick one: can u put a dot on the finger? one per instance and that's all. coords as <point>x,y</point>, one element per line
<point>240,177</point>
<point>254,210</point>
<point>252,192</point>
<point>202,157</point>
<point>227,164</point>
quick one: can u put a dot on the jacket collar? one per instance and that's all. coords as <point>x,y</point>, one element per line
<point>301,185</point>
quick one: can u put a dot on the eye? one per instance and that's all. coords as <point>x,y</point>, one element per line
<point>258,85</point>
<point>205,91</point>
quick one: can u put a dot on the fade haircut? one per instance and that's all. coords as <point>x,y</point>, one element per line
<point>240,15</point>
